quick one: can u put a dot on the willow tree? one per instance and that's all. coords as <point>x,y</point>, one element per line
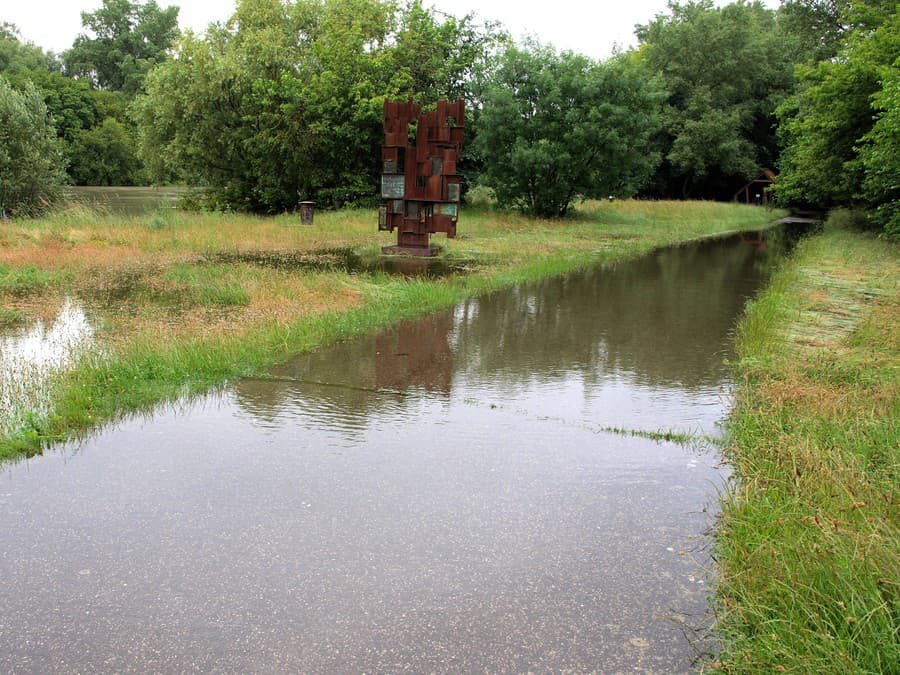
<point>32,168</point>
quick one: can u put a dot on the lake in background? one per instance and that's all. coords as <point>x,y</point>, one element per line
<point>127,200</point>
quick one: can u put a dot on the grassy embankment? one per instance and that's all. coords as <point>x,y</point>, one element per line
<point>182,302</point>
<point>809,542</point>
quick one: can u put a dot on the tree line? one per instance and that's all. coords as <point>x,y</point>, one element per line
<point>282,103</point>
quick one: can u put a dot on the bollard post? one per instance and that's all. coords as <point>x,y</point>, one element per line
<point>307,210</point>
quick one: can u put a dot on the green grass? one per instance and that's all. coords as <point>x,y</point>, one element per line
<point>11,317</point>
<point>25,280</point>
<point>211,286</point>
<point>809,539</point>
<point>182,308</point>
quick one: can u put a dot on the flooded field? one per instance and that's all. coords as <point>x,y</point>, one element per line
<point>30,355</point>
<point>444,496</point>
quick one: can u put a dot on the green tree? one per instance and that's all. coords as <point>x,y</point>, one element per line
<point>817,25</point>
<point>880,157</point>
<point>16,56</point>
<point>70,102</point>
<point>32,169</point>
<point>129,38</point>
<point>726,70</point>
<point>226,111</point>
<point>349,75</point>
<point>98,138</point>
<point>105,155</point>
<point>441,59</point>
<point>822,27</point>
<point>556,127</point>
<point>284,102</point>
<point>832,142</point>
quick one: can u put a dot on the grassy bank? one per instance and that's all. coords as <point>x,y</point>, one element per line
<point>809,542</point>
<point>180,302</point>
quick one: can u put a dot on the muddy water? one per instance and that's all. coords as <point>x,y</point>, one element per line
<point>439,497</point>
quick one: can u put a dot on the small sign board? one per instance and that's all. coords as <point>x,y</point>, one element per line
<point>393,186</point>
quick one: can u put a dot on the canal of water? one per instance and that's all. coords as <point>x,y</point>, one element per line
<point>442,496</point>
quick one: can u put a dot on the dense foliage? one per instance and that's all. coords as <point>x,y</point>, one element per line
<point>555,127</point>
<point>127,39</point>
<point>32,169</point>
<point>725,70</point>
<point>840,130</point>
<point>16,56</point>
<point>285,101</point>
<point>83,114</point>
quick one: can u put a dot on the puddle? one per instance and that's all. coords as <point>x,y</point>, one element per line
<point>344,260</point>
<point>29,356</point>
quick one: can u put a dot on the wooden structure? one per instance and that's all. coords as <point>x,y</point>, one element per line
<point>420,186</point>
<point>757,190</point>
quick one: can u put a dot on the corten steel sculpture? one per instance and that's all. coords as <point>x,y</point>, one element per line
<point>419,183</point>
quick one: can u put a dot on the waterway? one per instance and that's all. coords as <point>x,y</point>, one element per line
<point>444,496</point>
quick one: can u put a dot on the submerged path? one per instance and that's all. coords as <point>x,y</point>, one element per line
<point>437,497</point>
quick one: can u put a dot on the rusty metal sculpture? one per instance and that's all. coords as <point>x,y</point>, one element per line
<point>420,187</point>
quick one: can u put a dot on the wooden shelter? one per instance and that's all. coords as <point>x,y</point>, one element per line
<point>757,190</point>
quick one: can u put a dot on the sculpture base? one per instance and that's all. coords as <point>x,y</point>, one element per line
<point>418,251</point>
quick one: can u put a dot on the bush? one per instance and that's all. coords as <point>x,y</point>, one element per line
<point>559,127</point>
<point>32,168</point>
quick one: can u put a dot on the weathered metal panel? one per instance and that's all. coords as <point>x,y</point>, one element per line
<point>419,184</point>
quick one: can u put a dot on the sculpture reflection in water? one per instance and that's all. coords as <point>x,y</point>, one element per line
<point>629,335</point>
<point>352,381</point>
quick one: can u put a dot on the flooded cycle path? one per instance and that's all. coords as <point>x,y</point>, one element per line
<point>442,496</point>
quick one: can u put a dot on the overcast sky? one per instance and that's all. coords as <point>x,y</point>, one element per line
<point>589,27</point>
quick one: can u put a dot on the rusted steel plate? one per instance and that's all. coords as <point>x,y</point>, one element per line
<point>420,185</point>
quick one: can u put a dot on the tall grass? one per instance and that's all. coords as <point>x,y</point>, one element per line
<point>809,541</point>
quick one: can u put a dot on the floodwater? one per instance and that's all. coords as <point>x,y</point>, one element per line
<point>346,260</point>
<point>30,355</point>
<point>127,200</point>
<point>442,496</point>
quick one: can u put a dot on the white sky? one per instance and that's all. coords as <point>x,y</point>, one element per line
<point>588,27</point>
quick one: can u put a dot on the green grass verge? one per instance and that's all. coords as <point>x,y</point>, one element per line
<point>25,280</point>
<point>169,269</point>
<point>809,539</point>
